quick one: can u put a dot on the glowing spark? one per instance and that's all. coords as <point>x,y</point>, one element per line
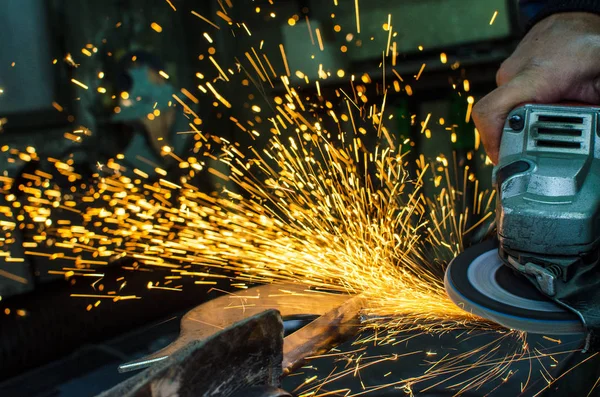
<point>262,67</point>
<point>113,297</point>
<point>12,276</point>
<point>221,72</point>
<point>224,17</point>
<point>218,96</point>
<point>171,4</point>
<point>387,47</point>
<point>398,75</point>
<point>206,20</point>
<point>285,63</point>
<point>420,71</point>
<point>493,17</point>
<point>312,39</point>
<point>207,37</point>
<point>552,339</point>
<point>357,16</point>
<point>56,106</point>
<point>151,286</point>
<point>156,27</point>
<point>246,29</point>
<point>424,126</point>
<point>269,65</point>
<point>470,101</point>
<point>79,83</point>
<point>319,39</point>
<point>251,60</point>
<point>466,85</point>
<point>189,96</point>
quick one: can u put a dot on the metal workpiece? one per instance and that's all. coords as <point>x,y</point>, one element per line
<point>234,361</point>
<point>205,328</point>
<point>330,329</point>
<point>288,299</point>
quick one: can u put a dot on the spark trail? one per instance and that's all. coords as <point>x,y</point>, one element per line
<point>317,202</point>
<point>306,211</point>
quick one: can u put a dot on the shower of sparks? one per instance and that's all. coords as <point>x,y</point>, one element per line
<point>329,215</point>
<point>318,203</point>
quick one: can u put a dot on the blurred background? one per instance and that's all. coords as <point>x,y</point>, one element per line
<point>69,71</point>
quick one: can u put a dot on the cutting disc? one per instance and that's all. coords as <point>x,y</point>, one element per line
<point>478,281</point>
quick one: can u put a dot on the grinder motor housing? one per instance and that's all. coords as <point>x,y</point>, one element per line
<point>548,186</point>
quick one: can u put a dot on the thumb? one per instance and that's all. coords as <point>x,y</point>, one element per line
<point>491,111</point>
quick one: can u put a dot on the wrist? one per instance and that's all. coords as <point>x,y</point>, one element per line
<point>577,9</point>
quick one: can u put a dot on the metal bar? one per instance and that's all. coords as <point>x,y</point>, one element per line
<point>220,313</point>
<point>229,362</point>
<point>322,334</point>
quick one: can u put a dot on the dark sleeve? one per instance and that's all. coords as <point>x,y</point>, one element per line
<point>536,10</point>
<point>528,9</point>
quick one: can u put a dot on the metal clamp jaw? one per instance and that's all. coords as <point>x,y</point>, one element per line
<point>546,280</point>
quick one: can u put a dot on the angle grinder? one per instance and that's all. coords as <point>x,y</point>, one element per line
<point>540,274</point>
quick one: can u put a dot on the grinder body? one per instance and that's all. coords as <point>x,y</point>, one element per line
<point>548,186</point>
<point>541,273</point>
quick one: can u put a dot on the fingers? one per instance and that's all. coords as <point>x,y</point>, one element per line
<point>490,112</point>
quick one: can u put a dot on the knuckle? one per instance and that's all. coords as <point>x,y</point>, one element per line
<point>537,63</point>
<point>517,65</point>
<point>481,108</point>
<point>596,88</point>
<point>503,75</point>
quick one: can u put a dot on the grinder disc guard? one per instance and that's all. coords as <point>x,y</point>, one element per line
<point>478,281</point>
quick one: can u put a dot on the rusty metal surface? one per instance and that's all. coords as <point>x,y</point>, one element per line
<point>214,335</point>
<point>245,355</point>
<point>322,334</point>
<point>220,313</point>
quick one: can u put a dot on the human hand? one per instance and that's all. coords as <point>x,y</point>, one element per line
<point>557,61</point>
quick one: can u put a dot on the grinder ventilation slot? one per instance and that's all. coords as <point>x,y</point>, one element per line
<point>557,131</point>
